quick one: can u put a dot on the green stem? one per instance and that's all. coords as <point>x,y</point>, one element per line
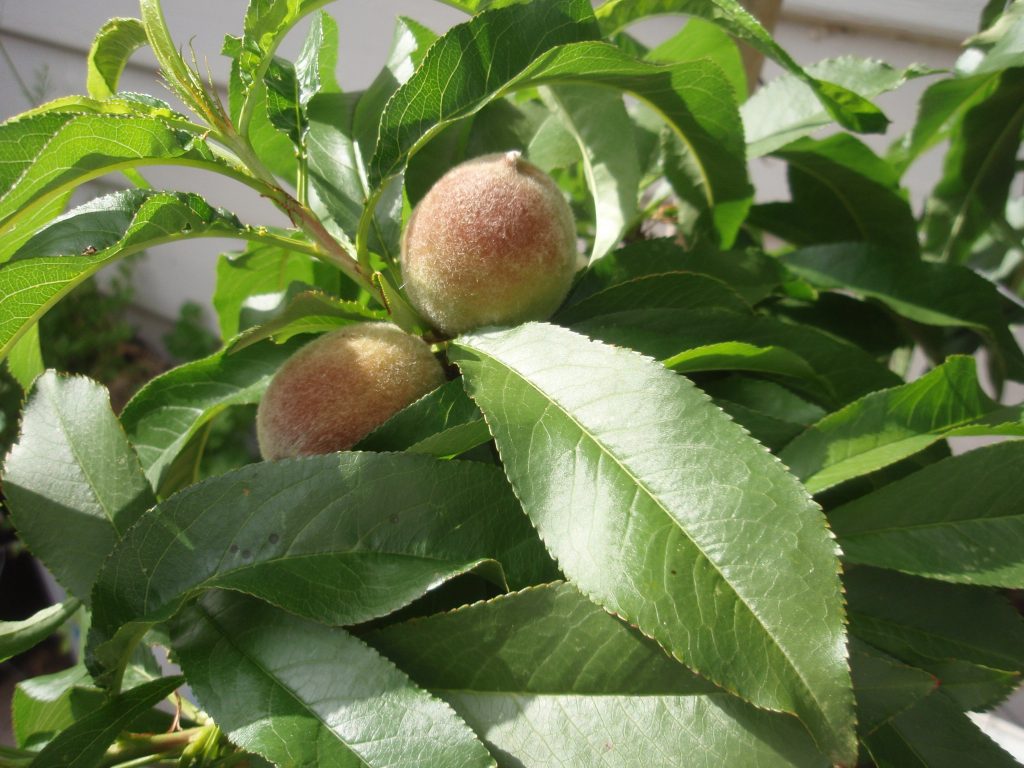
<point>149,761</point>
<point>304,218</point>
<point>133,745</point>
<point>266,237</point>
<point>302,179</point>
<point>363,230</point>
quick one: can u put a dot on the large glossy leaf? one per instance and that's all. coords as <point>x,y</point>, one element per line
<point>171,409</point>
<point>334,702</point>
<point>845,106</point>
<point>549,679</point>
<point>598,120</point>
<point>443,423</point>
<point>666,513</point>
<point>934,294</point>
<point>113,45</point>
<point>841,191</point>
<point>18,636</point>
<point>970,638</point>
<point>72,482</point>
<point>957,520</point>
<point>76,245</point>
<point>935,733</point>
<point>50,153</point>
<point>887,426</point>
<point>340,539</point>
<point>83,744</point>
<point>979,169</point>
<point>787,109</point>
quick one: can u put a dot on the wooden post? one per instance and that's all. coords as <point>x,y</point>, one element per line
<point>767,12</point>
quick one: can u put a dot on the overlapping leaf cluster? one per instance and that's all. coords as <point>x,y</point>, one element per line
<point>707,514</point>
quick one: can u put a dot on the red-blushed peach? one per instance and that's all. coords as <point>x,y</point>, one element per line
<point>336,389</point>
<point>492,243</point>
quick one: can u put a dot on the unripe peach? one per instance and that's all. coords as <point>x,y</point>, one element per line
<point>492,243</point>
<point>336,389</point>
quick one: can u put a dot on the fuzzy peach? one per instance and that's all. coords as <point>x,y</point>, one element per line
<point>492,243</point>
<point>335,390</point>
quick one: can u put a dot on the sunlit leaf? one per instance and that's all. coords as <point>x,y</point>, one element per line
<point>957,520</point>
<point>339,704</point>
<point>72,481</point>
<point>340,539</point>
<point>547,678</point>
<point>19,636</point>
<point>846,107</point>
<point>113,45</point>
<point>76,245</point>
<point>886,426</point>
<point>658,506</point>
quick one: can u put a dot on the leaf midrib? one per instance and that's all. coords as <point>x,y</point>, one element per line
<point>660,506</point>
<point>275,680</point>
<point>69,436</point>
